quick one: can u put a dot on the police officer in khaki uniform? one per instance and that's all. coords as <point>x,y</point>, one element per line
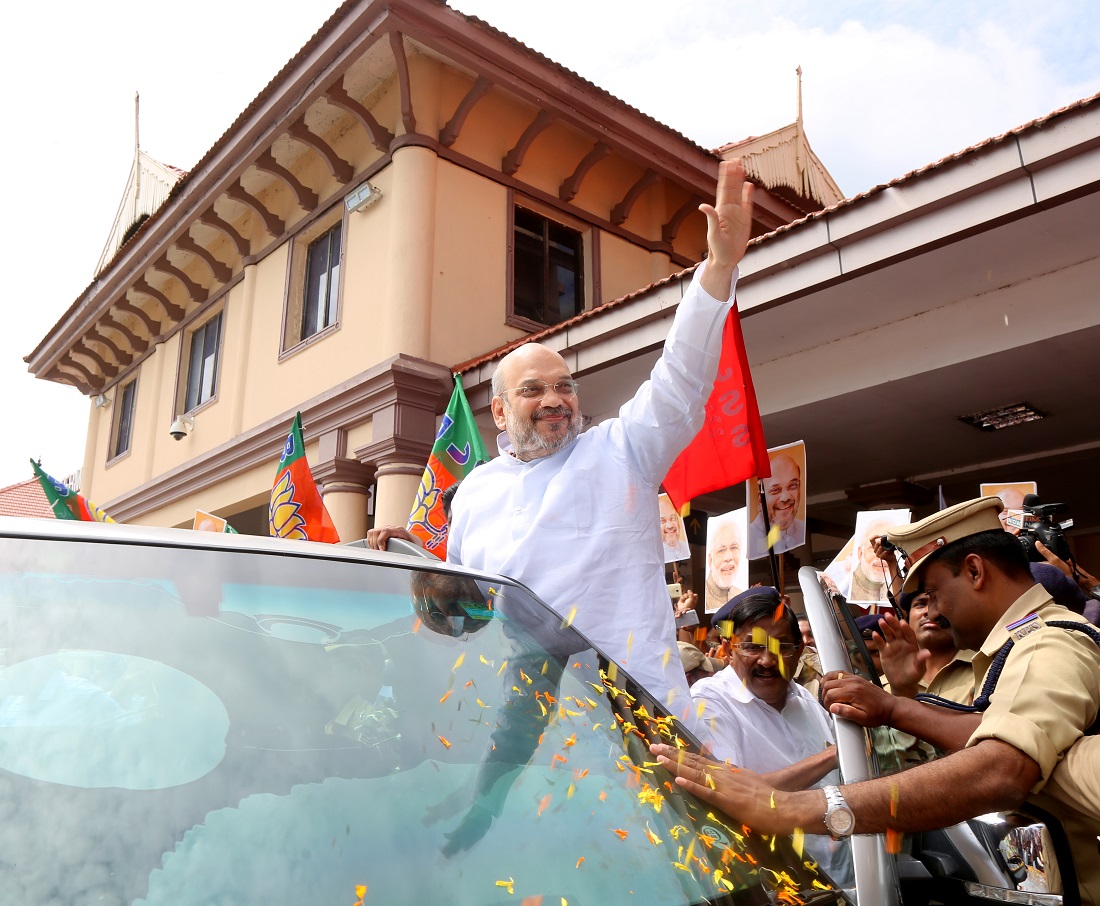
<point>977,578</point>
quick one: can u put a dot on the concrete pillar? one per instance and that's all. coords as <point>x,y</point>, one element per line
<point>397,484</point>
<point>344,484</point>
<point>411,252</point>
<point>347,505</point>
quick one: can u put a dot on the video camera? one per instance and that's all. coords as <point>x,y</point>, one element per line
<point>1035,522</point>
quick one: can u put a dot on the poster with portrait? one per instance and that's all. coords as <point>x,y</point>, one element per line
<point>838,574</point>
<point>785,493</point>
<point>674,541</point>
<point>870,576</point>
<point>1012,495</point>
<point>208,522</point>
<point>727,572</point>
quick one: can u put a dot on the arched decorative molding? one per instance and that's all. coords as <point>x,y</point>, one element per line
<point>621,211</point>
<point>449,134</point>
<point>137,344</point>
<point>151,326</point>
<point>513,160</point>
<point>194,290</point>
<point>401,61</point>
<point>173,311</point>
<point>307,198</point>
<point>219,271</point>
<point>340,169</point>
<point>672,228</point>
<point>379,136</point>
<point>273,224</point>
<point>122,357</point>
<point>572,185</point>
<point>211,219</point>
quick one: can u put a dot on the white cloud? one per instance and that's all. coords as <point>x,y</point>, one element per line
<point>888,87</point>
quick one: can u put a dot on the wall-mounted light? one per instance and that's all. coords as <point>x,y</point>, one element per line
<point>362,198</point>
<point>102,401</point>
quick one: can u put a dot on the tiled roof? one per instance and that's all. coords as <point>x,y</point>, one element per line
<point>1034,124</point>
<point>1037,123</point>
<point>24,499</point>
<point>327,27</point>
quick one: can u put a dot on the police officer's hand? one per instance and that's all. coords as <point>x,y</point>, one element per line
<point>903,660</point>
<point>856,699</point>
<point>740,793</point>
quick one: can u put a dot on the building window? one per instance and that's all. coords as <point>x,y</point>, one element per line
<point>202,368</point>
<point>547,272</point>
<point>313,280</point>
<point>123,427</point>
<point>322,282</point>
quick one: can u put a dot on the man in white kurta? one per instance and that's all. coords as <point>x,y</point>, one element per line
<point>769,736</point>
<point>575,516</point>
<point>754,735</point>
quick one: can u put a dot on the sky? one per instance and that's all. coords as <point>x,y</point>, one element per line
<point>887,87</point>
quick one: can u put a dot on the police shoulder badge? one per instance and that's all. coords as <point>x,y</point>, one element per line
<point>1020,628</point>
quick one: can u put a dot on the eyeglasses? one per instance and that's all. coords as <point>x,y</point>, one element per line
<point>536,390</point>
<point>750,649</point>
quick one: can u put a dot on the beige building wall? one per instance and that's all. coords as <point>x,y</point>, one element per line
<point>424,277</point>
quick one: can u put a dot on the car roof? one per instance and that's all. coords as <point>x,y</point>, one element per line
<point>118,533</point>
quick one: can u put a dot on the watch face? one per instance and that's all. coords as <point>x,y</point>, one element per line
<point>840,821</point>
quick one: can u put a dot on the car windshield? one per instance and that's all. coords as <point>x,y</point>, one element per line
<point>192,725</point>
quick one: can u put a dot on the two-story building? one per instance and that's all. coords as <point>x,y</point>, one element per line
<point>413,189</point>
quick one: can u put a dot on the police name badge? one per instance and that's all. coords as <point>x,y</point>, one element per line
<point>1029,624</point>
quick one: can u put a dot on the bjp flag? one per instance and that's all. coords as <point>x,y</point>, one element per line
<point>297,510</point>
<point>66,503</point>
<point>457,449</point>
<point>730,446</point>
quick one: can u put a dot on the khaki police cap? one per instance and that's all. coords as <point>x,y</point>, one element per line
<point>692,658</point>
<point>922,539</point>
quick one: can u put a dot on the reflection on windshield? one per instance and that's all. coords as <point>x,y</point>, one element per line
<point>316,725</point>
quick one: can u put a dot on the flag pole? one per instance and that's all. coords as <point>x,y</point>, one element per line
<point>773,558</point>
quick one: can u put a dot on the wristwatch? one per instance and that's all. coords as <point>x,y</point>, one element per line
<point>840,821</point>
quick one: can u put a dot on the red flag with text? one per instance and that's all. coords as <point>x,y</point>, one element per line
<point>297,510</point>
<point>730,446</point>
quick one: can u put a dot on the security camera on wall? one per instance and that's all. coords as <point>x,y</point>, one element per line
<point>181,427</point>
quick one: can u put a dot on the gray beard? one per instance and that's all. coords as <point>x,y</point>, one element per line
<point>527,443</point>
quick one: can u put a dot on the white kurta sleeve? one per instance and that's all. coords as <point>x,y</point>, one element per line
<point>668,409</point>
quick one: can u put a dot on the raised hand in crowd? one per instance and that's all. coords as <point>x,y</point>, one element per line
<point>903,660</point>
<point>1087,582</point>
<point>687,602</point>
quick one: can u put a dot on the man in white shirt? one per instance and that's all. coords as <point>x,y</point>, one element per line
<point>759,719</point>
<point>574,516</point>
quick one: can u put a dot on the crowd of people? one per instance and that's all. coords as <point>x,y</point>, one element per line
<point>575,516</point>
<point>990,690</point>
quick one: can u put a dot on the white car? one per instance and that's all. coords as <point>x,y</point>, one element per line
<point>193,718</point>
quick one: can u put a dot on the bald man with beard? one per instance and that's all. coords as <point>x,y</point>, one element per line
<point>574,516</point>
<point>783,493</point>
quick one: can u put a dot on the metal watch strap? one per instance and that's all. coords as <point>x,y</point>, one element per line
<point>835,802</point>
